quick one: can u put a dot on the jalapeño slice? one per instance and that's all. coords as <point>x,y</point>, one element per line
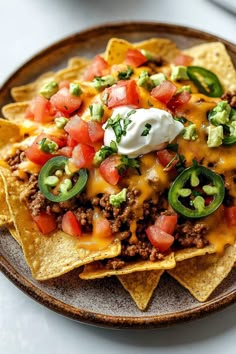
<point>205,80</point>
<point>196,192</point>
<point>52,177</point>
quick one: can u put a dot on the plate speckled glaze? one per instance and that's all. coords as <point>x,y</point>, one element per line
<point>104,302</point>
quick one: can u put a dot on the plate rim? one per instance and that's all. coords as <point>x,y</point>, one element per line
<point>76,313</point>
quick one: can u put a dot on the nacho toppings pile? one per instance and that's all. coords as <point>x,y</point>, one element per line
<point>125,164</point>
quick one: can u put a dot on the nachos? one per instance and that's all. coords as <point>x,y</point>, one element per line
<point>125,165</point>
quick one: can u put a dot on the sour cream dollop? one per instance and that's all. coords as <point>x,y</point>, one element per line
<point>148,130</point>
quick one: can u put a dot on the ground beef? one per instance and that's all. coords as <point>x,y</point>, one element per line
<point>15,160</point>
<point>191,235</point>
<point>141,249</point>
<point>114,263</point>
<point>31,188</point>
<point>37,204</point>
<point>230,97</point>
<point>84,216</point>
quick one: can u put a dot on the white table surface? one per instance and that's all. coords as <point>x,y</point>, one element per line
<point>26,327</point>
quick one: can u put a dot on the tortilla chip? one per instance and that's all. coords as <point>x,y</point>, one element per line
<point>187,253</point>
<point>201,275</point>
<point>141,285</point>
<point>9,133</point>
<point>27,92</point>
<point>162,47</point>
<point>117,48</point>
<point>5,216</point>
<point>15,112</point>
<point>214,57</point>
<point>97,270</point>
<point>78,62</point>
<point>48,256</point>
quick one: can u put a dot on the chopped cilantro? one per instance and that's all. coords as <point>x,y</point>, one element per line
<point>104,152</point>
<point>181,119</point>
<point>125,75</point>
<point>147,129</point>
<point>128,162</point>
<point>115,124</point>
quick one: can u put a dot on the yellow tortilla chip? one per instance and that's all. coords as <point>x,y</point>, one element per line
<point>51,255</point>
<point>201,275</point>
<point>5,216</point>
<point>116,50</point>
<point>29,91</point>
<point>214,56</point>
<point>187,253</point>
<point>9,133</point>
<point>162,47</point>
<point>97,270</point>
<point>78,62</point>
<point>141,285</point>
<point>15,112</point>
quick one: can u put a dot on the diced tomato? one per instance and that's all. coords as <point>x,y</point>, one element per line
<point>167,223</point>
<point>70,225</point>
<point>159,238</point>
<point>101,227</point>
<point>40,110</point>
<point>108,169</point>
<point>46,223</point>
<point>66,151</point>
<point>65,102</point>
<point>96,133</point>
<point>64,83</point>
<point>71,142</point>
<point>164,92</point>
<point>98,67</point>
<point>134,58</point>
<point>77,128</point>
<point>178,101</point>
<point>34,154</point>
<point>82,156</point>
<point>165,157</point>
<point>183,59</point>
<point>230,215</point>
<point>125,93</point>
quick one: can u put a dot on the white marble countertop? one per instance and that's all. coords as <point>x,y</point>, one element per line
<point>26,327</point>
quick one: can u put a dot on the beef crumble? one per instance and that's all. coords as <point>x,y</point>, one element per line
<point>230,97</point>
<point>189,234</point>
<point>14,160</point>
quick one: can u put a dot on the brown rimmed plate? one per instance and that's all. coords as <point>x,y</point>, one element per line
<point>104,302</point>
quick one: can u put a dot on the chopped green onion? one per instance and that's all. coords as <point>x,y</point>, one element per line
<point>100,83</point>
<point>96,111</point>
<point>49,89</point>
<point>47,145</point>
<point>75,89</point>
<point>61,122</point>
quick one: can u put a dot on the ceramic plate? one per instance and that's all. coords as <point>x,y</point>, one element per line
<point>104,302</point>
